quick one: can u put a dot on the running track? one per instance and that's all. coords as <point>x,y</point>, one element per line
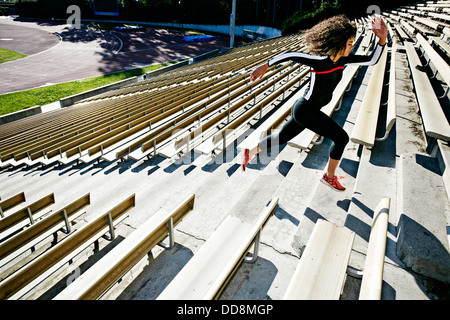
<point>58,54</point>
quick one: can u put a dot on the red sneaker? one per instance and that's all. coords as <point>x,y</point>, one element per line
<point>246,159</point>
<point>332,182</point>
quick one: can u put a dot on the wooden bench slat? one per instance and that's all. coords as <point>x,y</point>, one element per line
<point>21,218</point>
<point>321,271</point>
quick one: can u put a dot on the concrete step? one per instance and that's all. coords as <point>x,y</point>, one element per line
<point>376,179</point>
<point>422,236</point>
<point>326,203</point>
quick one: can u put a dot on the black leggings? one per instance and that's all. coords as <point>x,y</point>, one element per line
<point>305,115</point>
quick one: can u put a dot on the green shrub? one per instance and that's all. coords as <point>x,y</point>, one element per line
<point>302,20</point>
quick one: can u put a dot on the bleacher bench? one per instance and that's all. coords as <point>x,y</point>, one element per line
<point>366,122</point>
<point>205,276</point>
<point>434,120</point>
<point>322,269</point>
<point>11,202</point>
<point>391,115</point>
<point>440,64</point>
<point>106,272</point>
<point>372,280</point>
<point>22,281</point>
<point>44,228</point>
<point>25,216</point>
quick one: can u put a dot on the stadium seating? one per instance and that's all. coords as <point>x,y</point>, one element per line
<point>106,272</point>
<point>42,229</point>
<point>11,203</point>
<point>25,216</point>
<point>366,123</point>
<point>207,273</point>
<point>206,107</point>
<point>441,66</point>
<point>20,282</point>
<point>90,128</point>
<point>373,268</point>
<point>321,271</point>
<point>435,122</point>
<point>391,115</point>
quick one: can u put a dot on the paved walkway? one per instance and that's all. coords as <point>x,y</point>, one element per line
<point>59,54</point>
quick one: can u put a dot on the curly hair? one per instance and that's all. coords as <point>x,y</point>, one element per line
<point>329,36</point>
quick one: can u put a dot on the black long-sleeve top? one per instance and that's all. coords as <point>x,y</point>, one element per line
<point>326,74</point>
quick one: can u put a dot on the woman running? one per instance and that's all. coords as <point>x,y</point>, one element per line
<point>329,44</point>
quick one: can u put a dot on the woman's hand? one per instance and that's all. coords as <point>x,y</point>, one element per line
<point>259,72</point>
<point>380,29</point>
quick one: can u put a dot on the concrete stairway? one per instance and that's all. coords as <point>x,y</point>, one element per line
<point>397,168</point>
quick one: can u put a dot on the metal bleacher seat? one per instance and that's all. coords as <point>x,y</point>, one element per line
<point>93,127</point>
<point>434,120</point>
<point>367,119</point>
<point>323,266</point>
<point>25,216</point>
<point>29,276</point>
<point>205,276</point>
<point>439,63</point>
<point>108,270</point>
<point>37,232</point>
<point>321,271</point>
<point>11,202</point>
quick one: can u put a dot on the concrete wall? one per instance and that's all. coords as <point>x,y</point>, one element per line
<point>10,117</point>
<point>269,32</point>
<point>222,29</point>
<point>68,101</point>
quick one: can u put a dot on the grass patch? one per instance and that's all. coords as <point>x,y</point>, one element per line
<point>8,55</point>
<point>16,101</point>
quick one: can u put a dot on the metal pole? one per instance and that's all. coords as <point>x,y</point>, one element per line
<point>232,24</point>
